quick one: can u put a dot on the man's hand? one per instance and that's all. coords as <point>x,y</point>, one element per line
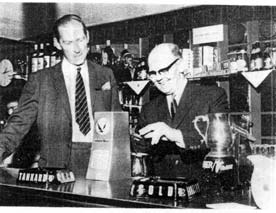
<point>160,130</point>
<point>6,161</point>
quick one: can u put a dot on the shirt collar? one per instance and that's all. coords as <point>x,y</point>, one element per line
<point>70,66</point>
<point>179,91</point>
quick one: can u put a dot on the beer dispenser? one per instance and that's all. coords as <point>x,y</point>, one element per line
<point>110,152</point>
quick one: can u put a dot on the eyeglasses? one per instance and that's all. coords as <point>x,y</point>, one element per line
<point>152,74</point>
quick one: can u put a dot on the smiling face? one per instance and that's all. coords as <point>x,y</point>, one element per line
<point>73,42</point>
<point>164,69</point>
<point>167,83</point>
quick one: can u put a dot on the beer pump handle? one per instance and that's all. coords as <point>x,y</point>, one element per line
<point>204,118</point>
<point>243,132</point>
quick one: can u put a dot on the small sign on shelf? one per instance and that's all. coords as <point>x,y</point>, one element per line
<point>208,34</point>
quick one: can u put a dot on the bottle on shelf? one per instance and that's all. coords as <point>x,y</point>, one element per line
<point>242,60</point>
<point>28,59</point>
<point>259,63</point>
<point>40,58</point>
<point>28,66</point>
<point>232,56</point>
<point>58,57</point>
<point>34,58</point>
<point>273,57</point>
<point>47,56</point>
<point>267,56</point>
<point>53,57</point>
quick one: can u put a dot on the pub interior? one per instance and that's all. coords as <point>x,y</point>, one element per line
<point>232,47</point>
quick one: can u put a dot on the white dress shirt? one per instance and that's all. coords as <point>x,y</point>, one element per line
<point>70,74</point>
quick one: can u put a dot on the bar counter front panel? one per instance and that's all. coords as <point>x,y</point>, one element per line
<point>91,193</point>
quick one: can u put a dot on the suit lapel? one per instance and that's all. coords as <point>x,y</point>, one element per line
<point>184,106</point>
<point>60,86</point>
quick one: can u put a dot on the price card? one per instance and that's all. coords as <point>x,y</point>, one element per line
<point>100,159</point>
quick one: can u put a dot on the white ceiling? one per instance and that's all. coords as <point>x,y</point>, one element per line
<point>12,15</point>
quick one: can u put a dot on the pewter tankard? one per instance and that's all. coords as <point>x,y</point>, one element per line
<point>218,135</point>
<point>218,138</point>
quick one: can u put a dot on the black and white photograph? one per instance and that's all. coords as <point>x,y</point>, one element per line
<point>138,105</point>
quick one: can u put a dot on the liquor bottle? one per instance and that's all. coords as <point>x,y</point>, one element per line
<point>267,56</point>
<point>273,57</point>
<point>252,58</point>
<point>28,59</point>
<point>47,56</point>
<point>259,63</point>
<point>40,60</point>
<point>53,56</point>
<point>242,60</point>
<point>35,58</point>
<point>28,66</point>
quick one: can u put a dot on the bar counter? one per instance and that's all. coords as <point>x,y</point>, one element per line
<point>91,193</point>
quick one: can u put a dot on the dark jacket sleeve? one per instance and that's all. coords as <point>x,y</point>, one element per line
<point>20,122</point>
<point>218,100</point>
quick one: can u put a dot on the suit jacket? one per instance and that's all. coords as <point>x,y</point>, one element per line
<point>44,100</point>
<point>196,100</point>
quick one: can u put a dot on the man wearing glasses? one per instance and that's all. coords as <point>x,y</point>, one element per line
<point>165,125</point>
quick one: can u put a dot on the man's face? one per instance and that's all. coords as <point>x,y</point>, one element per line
<point>166,77</point>
<point>73,42</point>
<point>129,60</point>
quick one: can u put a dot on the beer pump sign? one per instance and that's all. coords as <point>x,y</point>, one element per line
<point>103,126</point>
<point>110,152</point>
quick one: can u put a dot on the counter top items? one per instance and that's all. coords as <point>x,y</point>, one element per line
<point>176,188</point>
<point>222,139</point>
<point>45,175</point>
<point>219,138</point>
<point>115,193</point>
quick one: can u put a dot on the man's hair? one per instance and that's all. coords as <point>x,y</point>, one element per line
<point>66,19</point>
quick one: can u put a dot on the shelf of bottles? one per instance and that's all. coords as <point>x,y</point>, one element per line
<point>39,56</point>
<point>244,57</point>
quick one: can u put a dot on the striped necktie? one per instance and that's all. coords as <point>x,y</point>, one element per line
<point>81,107</point>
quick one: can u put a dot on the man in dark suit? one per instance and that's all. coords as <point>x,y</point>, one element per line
<point>166,122</point>
<point>57,98</point>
